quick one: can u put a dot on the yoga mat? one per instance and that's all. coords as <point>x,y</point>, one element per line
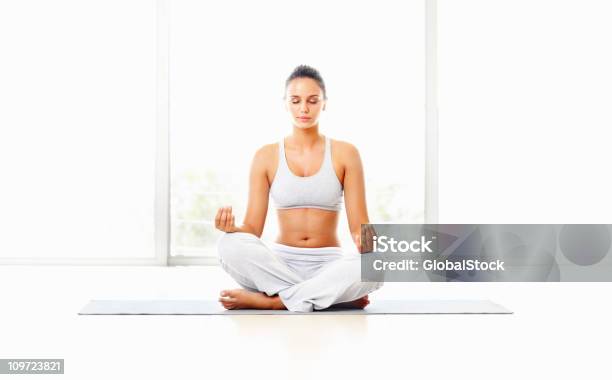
<point>208,307</point>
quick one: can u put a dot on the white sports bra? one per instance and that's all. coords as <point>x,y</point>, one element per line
<point>321,190</point>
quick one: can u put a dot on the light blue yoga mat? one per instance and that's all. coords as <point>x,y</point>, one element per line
<point>208,307</point>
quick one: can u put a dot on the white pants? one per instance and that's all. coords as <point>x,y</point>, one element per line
<point>305,279</point>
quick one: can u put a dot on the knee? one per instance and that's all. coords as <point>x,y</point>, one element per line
<point>227,245</point>
<point>376,285</point>
<point>232,245</point>
<point>353,265</point>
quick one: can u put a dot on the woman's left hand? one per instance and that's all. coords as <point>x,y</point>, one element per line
<point>365,244</point>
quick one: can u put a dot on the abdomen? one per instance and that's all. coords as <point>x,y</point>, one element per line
<point>308,227</point>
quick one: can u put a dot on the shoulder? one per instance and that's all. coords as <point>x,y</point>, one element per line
<point>344,149</point>
<point>265,156</point>
<point>266,152</point>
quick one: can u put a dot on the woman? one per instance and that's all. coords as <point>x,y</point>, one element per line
<point>305,174</point>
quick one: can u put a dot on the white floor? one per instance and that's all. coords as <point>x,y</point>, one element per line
<point>559,330</point>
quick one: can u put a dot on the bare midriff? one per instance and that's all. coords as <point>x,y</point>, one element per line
<point>308,227</point>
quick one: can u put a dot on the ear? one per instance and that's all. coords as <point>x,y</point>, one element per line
<point>324,104</point>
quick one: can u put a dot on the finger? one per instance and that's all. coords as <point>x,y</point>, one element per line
<point>223,217</point>
<point>221,214</point>
<point>371,233</point>
<point>363,239</point>
<point>366,229</point>
<point>228,222</point>
<point>218,218</point>
<point>233,222</point>
<point>372,230</point>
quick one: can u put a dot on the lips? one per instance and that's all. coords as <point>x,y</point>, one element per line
<point>304,118</point>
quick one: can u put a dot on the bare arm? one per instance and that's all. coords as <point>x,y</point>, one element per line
<point>257,207</point>
<point>354,192</point>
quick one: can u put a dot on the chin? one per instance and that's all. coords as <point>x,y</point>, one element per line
<point>305,125</point>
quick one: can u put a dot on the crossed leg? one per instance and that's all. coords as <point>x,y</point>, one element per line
<point>268,283</point>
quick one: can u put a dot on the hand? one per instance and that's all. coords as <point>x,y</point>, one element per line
<point>224,220</point>
<point>365,244</point>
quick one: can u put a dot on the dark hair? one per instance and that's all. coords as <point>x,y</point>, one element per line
<point>305,71</point>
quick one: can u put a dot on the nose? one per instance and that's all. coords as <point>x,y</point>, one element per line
<point>304,108</point>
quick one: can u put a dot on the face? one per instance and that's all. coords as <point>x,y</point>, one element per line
<point>304,101</point>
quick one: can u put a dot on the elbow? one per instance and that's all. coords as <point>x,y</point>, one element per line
<point>248,228</point>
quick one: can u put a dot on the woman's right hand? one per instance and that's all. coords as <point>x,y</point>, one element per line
<point>224,220</point>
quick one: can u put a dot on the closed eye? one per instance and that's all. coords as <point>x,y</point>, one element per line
<point>311,101</point>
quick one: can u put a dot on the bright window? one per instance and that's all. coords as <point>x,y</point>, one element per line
<point>77,128</point>
<point>228,64</point>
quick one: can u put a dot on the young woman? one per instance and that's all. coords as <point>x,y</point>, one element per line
<point>306,175</point>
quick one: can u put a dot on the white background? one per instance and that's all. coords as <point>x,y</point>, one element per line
<point>524,118</point>
<point>525,121</point>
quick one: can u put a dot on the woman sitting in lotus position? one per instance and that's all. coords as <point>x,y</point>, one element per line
<point>306,175</point>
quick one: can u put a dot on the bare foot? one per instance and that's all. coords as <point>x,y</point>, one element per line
<point>244,299</point>
<point>359,303</point>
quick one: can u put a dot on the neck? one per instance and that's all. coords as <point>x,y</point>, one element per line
<point>306,137</point>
